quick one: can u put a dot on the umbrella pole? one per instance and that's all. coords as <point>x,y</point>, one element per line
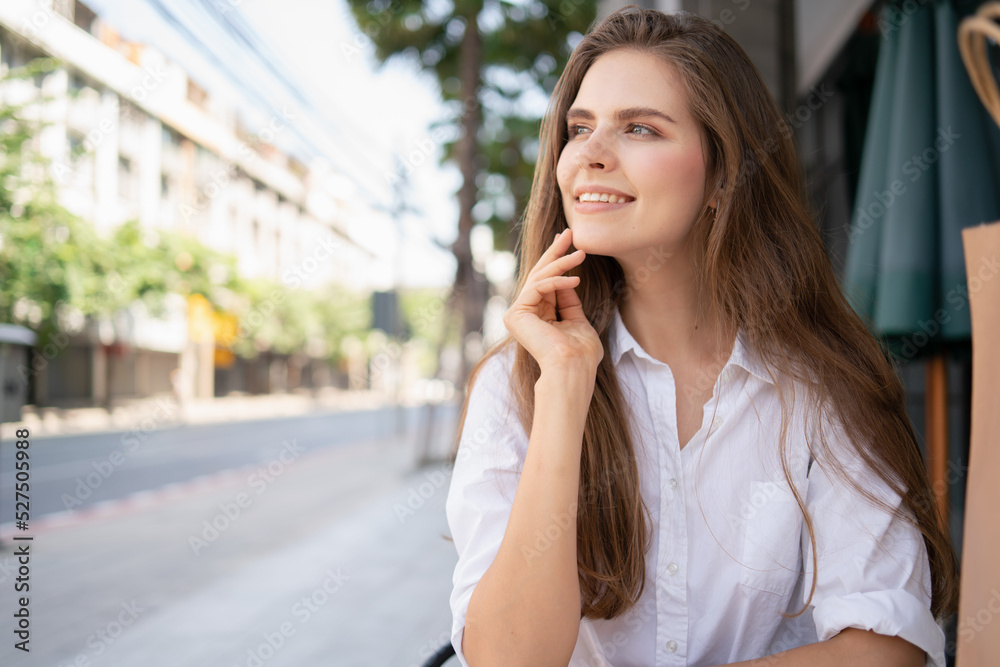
<point>936,397</point>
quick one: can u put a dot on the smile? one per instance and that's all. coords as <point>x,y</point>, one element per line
<point>600,202</point>
<point>604,197</point>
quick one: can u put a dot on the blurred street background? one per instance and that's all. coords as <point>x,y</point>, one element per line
<point>216,536</point>
<point>249,251</point>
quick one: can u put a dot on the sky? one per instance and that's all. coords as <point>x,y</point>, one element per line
<point>389,112</point>
<point>350,112</point>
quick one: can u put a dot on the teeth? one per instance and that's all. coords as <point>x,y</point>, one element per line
<point>603,197</point>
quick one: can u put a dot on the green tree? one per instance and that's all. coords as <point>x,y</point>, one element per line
<point>53,266</point>
<point>56,271</point>
<point>489,57</point>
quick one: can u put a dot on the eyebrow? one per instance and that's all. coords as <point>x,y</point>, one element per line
<point>623,115</point>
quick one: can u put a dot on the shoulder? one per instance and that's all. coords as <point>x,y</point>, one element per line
<point>492,441</point>
<point>494,378</point>
<point>492,409</point>
<point>499,363</point>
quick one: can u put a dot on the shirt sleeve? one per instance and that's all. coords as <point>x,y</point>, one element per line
<point>873,569</point>
<point>488,464</point>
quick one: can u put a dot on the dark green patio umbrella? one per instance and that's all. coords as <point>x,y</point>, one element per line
<point>968,177</point>
<point>929,169</point>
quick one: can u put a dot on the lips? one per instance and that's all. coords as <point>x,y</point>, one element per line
<point>590,192</point>
<point>597,199</point>
<point>604,197</point>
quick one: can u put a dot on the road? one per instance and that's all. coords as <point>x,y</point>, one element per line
<point>73,472</point>
<point>299,541</point>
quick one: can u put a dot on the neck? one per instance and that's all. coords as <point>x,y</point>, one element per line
<point>667,318</point>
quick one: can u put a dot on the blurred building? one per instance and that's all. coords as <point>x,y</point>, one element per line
<point>131,136</point>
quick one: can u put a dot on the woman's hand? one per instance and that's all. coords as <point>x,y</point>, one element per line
<point>555,344</point>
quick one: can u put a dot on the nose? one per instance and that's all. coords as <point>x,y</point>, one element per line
<point>595,153</point>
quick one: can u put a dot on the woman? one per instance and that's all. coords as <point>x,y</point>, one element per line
<point>689,450</point>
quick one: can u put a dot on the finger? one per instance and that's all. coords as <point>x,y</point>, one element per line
<point>556,249</point>
<point>569,304</point>
<point>554,265</point>
<point>534,292</point>
<point>560,265</point>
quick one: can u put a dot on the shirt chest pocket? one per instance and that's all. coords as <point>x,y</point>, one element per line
<point>771,546</point>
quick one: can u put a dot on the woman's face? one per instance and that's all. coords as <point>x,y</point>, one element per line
<point>634,144</point>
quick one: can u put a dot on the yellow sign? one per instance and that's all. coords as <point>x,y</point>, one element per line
<point>224,358</point>
<point>200,329</point>
<point>225,326</point>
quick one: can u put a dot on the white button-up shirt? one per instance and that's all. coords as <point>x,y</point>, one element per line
<point>730,551</point>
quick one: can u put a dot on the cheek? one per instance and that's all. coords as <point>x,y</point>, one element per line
<point>677,173</point>
<point>565,168</point>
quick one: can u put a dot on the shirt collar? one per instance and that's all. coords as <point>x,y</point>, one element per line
<point>620,341</point>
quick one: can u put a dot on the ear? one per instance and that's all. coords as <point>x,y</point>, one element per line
<point>716,197</point>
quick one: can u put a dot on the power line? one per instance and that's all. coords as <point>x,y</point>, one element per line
<point>235,23</point>
<point>253,91</point>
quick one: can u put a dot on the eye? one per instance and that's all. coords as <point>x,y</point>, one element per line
<point>640,130</point>
<point>576,130</point>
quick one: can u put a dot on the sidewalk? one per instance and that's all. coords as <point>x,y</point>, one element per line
<point>162,411</point>
<point>342,560</point>
<point>364,589</point>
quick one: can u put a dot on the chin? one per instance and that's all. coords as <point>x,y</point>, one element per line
<point>598,239</point>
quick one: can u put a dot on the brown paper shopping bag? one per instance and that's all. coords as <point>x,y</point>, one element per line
<point>979,598</point>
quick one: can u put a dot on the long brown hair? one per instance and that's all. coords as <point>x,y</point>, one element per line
<point>762,268</point>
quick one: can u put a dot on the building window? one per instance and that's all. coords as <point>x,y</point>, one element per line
<point>76,82</point>
<point>84,17</point>
<point>81,174</point>
<point>63,8</point>
<point>129,113</point>
<point>196,94</point>
<point>127,190</point>
<point>170,137</point>
<point>277,252</point>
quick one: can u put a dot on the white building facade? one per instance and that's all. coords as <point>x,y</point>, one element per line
<point>131,136</point>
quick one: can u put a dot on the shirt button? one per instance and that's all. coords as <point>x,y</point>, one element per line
<point>672,569</point>
<point>672,646</point>
<point>673,483</point>
<point>717,422</point>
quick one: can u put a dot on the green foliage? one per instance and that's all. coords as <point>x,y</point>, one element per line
<point>525,45</point>
<point>51,262</point>
<point>286,320</point>
<point>424,311</point>
<point>56,270</point>
<point>343,314</point>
